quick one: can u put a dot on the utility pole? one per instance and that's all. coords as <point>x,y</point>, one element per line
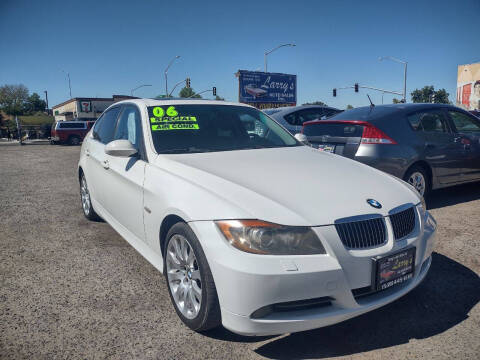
<point>46,100</point>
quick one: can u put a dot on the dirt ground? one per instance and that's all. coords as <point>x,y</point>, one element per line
<point>70,288</point>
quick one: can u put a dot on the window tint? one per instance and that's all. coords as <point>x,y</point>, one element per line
<point>105,126</point>
<point>130,127</point>
<point>291,118</point>
<point>414,121</point>
<point>464,122</point>
<point>71,125</point>
<point>311,114</point>
<point>428,121</point>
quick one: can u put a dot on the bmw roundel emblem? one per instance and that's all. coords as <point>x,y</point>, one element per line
<point>374,203</point>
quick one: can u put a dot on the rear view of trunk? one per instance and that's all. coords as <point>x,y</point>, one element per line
<point>343,137</point>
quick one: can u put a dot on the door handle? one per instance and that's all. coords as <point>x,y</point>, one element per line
<point>429,146</point>
<point>106,164</point>
<point>87,152</point>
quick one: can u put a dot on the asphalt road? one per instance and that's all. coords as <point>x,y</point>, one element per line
<point>70,288</point>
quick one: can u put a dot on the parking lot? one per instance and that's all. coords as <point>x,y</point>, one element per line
<point>71,288</point>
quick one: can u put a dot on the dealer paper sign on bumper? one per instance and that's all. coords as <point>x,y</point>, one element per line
<point>265,90</point>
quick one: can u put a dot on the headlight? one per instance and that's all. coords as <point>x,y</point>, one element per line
<point>422,207</point>
<point>260,237</point>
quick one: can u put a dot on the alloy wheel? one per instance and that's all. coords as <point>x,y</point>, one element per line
<point>417,180</point>
<point>85,195</point>
<point>183,275</point>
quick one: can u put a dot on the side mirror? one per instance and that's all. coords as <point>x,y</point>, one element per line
<point>302,138</point>
<point>120,148</point>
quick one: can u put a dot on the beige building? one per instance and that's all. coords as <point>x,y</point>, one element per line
<point>468,86</point>
<point>85,108</point>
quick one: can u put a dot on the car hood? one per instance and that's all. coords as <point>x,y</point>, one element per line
<point>290,186</point>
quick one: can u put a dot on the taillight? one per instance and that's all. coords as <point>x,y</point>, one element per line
<point>373,135</point>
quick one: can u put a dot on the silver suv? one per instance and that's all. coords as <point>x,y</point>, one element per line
<point>293,117</point>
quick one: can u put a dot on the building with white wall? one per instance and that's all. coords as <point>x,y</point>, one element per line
<point>85,108</point>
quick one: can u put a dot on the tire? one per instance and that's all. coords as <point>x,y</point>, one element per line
<point>52,142</point>
<point>201,316</point>
<point>74,140</point>
<point>418,177</point>
<point>87,207</point>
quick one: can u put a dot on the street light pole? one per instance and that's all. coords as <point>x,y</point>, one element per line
<point>269,52</point>
<point>166,71</point>
<point>69,83</point>
<point>138,87</point>
<point>404,73</point>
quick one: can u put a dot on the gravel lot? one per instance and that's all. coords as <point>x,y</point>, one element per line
<point>71,288</point>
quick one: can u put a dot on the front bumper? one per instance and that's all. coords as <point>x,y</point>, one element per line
<point>247,282</point>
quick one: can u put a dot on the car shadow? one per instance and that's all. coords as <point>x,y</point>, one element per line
<point>442,301</point>
<point>453,195</point>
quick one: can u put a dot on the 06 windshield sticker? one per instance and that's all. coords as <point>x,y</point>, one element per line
<point>170,119</point>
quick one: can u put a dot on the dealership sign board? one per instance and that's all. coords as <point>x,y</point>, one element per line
<point>266,90</point>
<point>468,86</point>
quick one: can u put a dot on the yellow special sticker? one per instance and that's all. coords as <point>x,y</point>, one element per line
<point>159,112</point>
<point>166,119</point>
<point>176,126</point>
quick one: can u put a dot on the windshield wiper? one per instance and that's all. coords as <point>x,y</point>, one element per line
<point>185,150</point>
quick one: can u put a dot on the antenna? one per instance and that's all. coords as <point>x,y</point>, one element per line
<point>371,103</point>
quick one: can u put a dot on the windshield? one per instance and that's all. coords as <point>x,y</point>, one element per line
<point>205,128</point>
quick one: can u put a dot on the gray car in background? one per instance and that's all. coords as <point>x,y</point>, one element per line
<point>293,117</point>
<point>429,145</point>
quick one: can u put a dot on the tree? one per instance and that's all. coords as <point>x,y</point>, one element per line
<point>321,103</point>
<point>396,101</point>
<point>428,94</point>
<point>161,96</point>
<point>441,97</point>
<point>219,98</point>
<point>13,99</point>
<point>188,93</point>
<point>349,107</point>
<point>34,103</point>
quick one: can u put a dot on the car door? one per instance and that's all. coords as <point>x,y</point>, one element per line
<point>102,134</point>
<point>124,176</point>
<point>467,132</point>
<point>442,151</point>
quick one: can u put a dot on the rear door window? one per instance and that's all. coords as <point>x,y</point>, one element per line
<point>428,121</point>
<point>292,118</point>
<point>309,115</point>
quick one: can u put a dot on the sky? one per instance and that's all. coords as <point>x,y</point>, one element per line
<point>111,47</point>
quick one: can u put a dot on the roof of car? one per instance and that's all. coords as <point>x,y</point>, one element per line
<point>378,111</point>
<point>290,109</point>
<point>179,101</point>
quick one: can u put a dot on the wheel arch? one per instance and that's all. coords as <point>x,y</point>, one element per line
<point>426,166</point>
<point>167,222</point>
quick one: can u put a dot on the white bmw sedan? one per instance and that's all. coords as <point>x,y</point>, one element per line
<point>252,229</point>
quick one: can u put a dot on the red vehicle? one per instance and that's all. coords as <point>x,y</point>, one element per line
<point>70,132</point>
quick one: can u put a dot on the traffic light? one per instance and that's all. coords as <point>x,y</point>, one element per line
<point>187,82</point>
<point>214,91</point>
<point>356,87</point>
<point>334,92</point>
